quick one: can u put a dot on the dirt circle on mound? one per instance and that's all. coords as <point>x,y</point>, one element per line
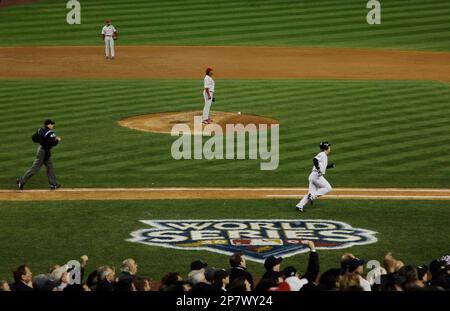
<point>164,122</point>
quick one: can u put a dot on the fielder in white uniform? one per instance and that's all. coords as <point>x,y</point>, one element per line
<point>208,95</point>
<point>318,185</point>
<point>109,34</point>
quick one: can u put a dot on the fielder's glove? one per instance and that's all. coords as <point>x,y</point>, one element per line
<point>213,99</point>
<point>332,165</point>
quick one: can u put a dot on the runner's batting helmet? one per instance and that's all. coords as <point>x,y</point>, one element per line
<point>324,145</point>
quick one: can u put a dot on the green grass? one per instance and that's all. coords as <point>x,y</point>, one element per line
<point>384,133</point>
<point>405,24</point>
<point>47,233</point>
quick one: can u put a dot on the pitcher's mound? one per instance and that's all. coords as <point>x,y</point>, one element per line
<point>163,122</point>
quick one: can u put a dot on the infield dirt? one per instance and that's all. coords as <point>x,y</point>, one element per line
<point>229,62</point>
<point>218,193</point>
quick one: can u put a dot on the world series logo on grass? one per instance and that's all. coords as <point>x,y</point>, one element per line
<point>257,239</point>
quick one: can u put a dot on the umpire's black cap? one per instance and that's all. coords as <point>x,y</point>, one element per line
<point>47,122</point>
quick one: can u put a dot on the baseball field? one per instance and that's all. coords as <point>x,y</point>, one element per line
<point>379,93</point>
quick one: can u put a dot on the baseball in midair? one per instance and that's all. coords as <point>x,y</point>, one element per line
<point>239,113</point>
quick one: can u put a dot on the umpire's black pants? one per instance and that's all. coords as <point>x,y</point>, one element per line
<point>41,159</point>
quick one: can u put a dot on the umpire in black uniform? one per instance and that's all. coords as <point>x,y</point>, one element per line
<point>47,139</point>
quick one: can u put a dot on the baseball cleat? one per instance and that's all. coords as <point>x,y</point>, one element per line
<point>54,187</point>
<point>19,184</point>
<point>299,208</point>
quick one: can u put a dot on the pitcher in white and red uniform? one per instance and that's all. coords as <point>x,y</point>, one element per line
<point>109,34</point>
<point>208,94</point>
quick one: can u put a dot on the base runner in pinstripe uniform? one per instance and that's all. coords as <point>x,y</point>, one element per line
<point>318,185</point>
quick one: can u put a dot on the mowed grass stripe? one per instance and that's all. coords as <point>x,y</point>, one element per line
<point>355,99</point>
<point>368,146</point>
<point>199,22</point>
<point>380,132</point>
<point>391,137</point>
<point>209,19</point>
<point>394,134</point>
<point>319,33</point>
<point>164,11</point>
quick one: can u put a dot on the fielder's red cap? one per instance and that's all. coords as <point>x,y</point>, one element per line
<point>208,70</point>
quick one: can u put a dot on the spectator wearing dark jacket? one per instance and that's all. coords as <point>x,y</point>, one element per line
<point>313,268</point>
<point>171,281</point>
<point>221,280</point>
<point>22,279</point>
<point>240,284</point>
<point>127,274</point>
<point>329,280</point>
<point>239,269</point>
<point>141,285</point>
<point>272,264</point>
<point>106,277</point>
<point>440,272</point>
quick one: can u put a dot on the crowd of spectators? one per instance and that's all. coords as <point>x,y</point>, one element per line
<point>348,275</point>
